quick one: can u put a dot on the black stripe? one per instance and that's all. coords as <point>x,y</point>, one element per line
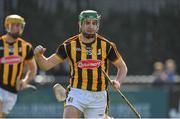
<point>27,51</point>
<point>10,75</point>
<point>20,54</point>
<point>107,50</point>
<point>68,48</point>
<point>99,69</point>
<point>1,65</point>
<point>89,71</point>
<point>106,62</point>
<point>10,67</point>
<point>78,58</point>
<point>17,48</point>
<point>108,103</point>
<point>9,89</point>
<point>23,56</point>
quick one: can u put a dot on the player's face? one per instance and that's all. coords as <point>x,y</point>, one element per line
<point>89,26</point>
<point>16,28</point>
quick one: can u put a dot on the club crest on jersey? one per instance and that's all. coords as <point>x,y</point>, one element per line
<point>11,49</point>
<point>78,49</point>
<point>89,64</point>
<point>10,60</point>
<point>88,50</point>
<point>20,49</point>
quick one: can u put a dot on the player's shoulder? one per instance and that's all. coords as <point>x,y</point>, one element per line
<point>2,37</point>
<point>71,39</point>
<point>24,42</point>
<point>99,37</point>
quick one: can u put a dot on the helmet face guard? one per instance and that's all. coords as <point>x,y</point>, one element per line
<point>14,19</point>
<point>89,14</point>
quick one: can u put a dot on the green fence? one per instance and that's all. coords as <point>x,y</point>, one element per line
<point>149,101</point>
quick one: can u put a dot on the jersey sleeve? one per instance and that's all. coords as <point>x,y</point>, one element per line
<point>113,54</point>
<point>61,51</point>
<point>29,52</point>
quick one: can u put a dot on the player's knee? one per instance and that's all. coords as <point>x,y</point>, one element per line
<point>1,110</point>
<point>1,106</point>
<point>108,117</point>
<point>71,112</point>
<point>2,115</point>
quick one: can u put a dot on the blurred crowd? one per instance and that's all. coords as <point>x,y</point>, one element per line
<point>164,72</point>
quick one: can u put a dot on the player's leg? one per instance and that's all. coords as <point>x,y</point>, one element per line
<point>107,107</point>
<point>95,113</point>
<point>72,108</point>
<point>2,114</point>
<point>72,112</point>
<point>61,94</point>
<point>9,100</point>
<point>97,107</point>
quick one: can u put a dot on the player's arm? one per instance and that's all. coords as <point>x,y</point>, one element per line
<point>119,63</point>
<point>121,69</point>
<point>47,63</point>
<point>31,68</point>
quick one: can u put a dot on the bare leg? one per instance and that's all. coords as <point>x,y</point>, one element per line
<point>108,117</point>
<point>2,114</point>
<point>72,112</point>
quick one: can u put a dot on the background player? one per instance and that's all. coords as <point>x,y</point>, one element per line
<point>14,54</point>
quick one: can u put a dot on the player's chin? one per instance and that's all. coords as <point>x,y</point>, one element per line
<point>90,31</point>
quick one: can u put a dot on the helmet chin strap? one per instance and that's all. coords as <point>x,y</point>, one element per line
<point>14,35</point>
<point>88,36</point>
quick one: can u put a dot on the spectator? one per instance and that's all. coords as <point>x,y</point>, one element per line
<point>170,70</point>
<point>160,76</point>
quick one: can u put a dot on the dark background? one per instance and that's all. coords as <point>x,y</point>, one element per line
<point>144,31</point>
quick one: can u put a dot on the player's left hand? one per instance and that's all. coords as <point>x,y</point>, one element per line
<point>116,84</point>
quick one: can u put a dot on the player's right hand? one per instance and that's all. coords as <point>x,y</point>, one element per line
<point>39,50</point>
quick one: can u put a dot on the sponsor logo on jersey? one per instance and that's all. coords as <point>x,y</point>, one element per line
<point>89,64</point>
<point>10,59</point>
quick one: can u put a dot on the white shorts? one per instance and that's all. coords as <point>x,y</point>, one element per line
<point>92,104</point>
<point>8,99</point>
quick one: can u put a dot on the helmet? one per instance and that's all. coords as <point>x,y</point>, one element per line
<point>89,14</point>
<point>14,19</point>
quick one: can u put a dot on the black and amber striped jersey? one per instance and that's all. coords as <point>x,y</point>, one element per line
<point>86,61</point>
<point>12,58</point>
